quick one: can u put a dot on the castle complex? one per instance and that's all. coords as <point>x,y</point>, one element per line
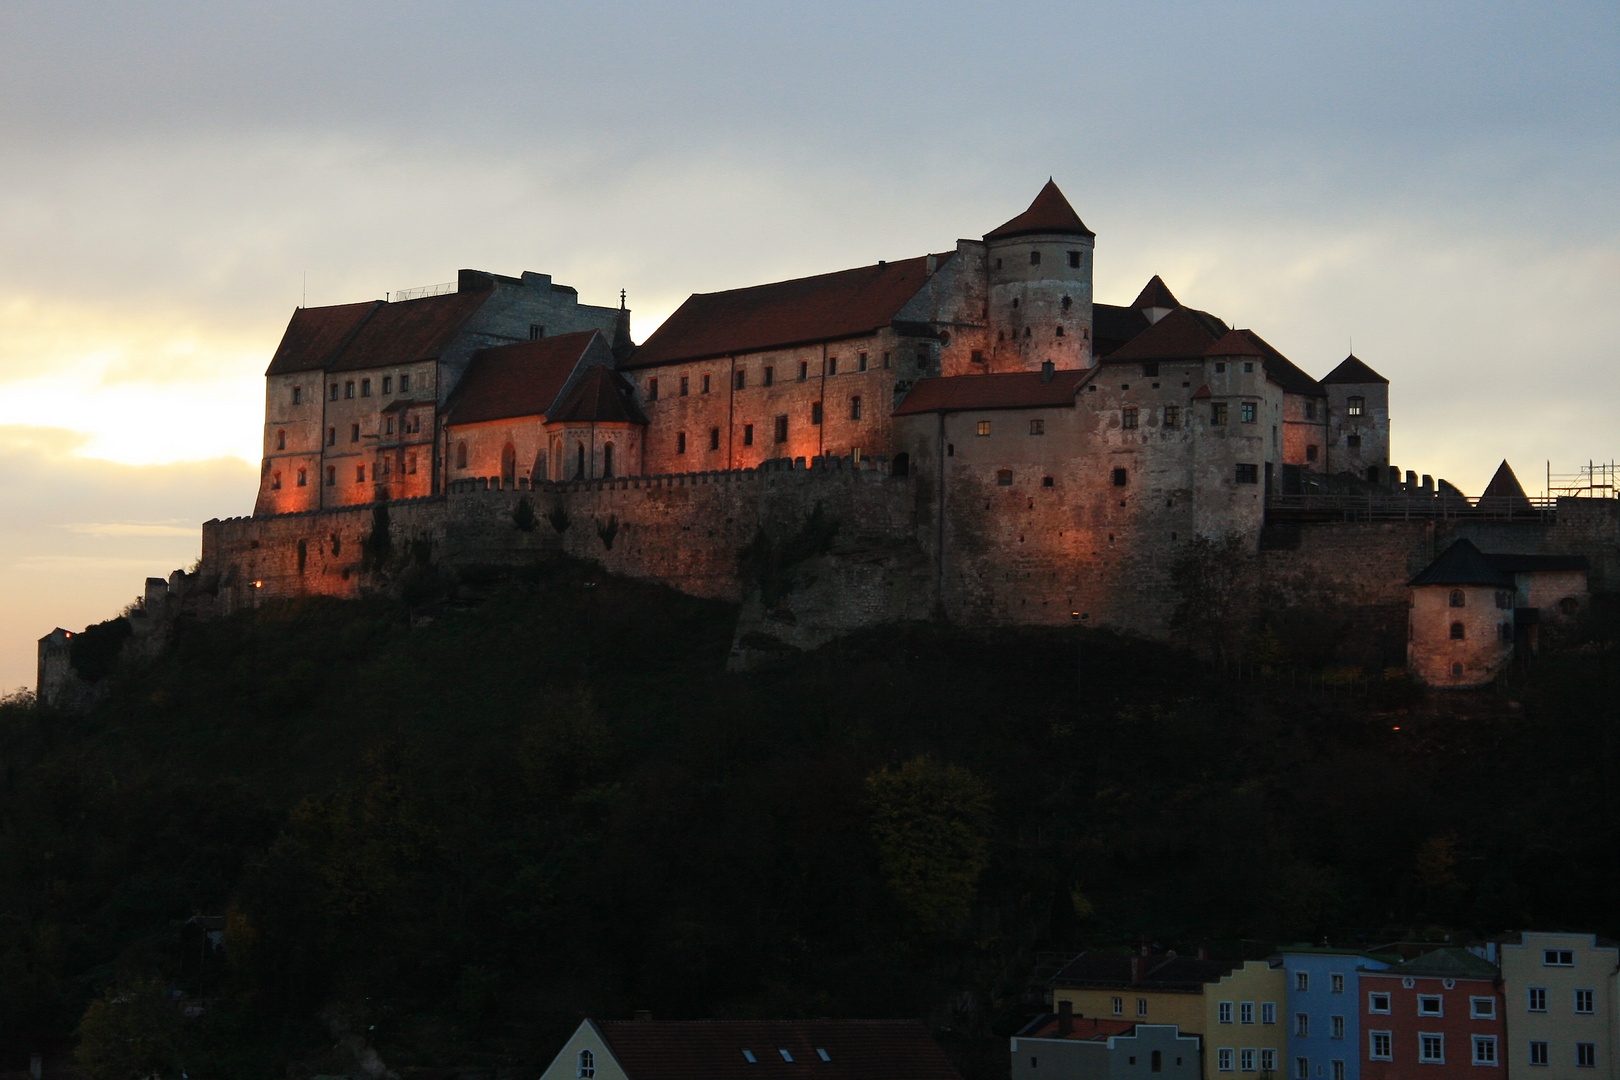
<point>989,444</point>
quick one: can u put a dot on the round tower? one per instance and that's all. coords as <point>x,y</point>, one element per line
<point>1039,295</point>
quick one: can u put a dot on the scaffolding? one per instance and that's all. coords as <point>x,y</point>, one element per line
<point>1594,480</point>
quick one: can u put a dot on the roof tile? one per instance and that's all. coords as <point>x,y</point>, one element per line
<point>1009,390</point>
<point>1049,213</point>
<point>522,379</point>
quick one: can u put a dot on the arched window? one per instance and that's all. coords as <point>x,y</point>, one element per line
<point>1060,331</point>
<point>1569,605</point>
<point>587,1065</point>
<point>607,461</point>
<point>1457,631</point>
<point>901,465</point>
<point>1458,599</point>
<point>508,466</point>
<point>579,467</point>
<point>461,455</point>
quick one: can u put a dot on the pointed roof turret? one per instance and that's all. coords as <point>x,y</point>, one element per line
<point>1234,343</point>
<point>1155,294</point>
<point>1352,370</point>
<point>1504,492</point>
<point>1049,213</point>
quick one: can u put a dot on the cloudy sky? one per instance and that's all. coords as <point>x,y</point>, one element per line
<point>1439,183</point>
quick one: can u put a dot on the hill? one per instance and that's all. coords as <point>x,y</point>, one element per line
<point>450,838</point>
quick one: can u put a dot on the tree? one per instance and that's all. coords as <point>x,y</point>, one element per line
<point>130,1032</point>
<point>931,821</point>
<point>1209,578</point>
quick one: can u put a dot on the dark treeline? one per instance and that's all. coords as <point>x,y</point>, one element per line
<point>451,841</point>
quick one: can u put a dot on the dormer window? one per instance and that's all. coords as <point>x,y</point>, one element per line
<point>822,1054</point>
<point>748,1056</point>
<point>785,1056</point>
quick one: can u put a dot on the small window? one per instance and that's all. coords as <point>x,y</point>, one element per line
<point>1430,1005</point>
<point>1220,367</point>
<point>298,395</point>
<point>1456,671</point>
<point>785,1055</point>
<point>1538,1052</point>
<point>705,384</point>
<point>1268,1009</point>
<point>1482,1008</point>
<point>334,392</point>
<point>303,478</point>
<point>1223,1059</point>
<point>860,362</point>
<point>1585,1055</point>
<point>405,383</point>
<point>714,438</point>
<point>1004,478</point>
<point>680,442</point>
<point>365,387</point>
<point>1355,406</point>
<point>1156,1060</point>
<point>331,476</point>
<point>1432,1047</point>
<point>1569,605</point>
<point>748,434</point>
<point>1380,1045</point>
<point>1310,452</point>
<point>536,331</point>
<point>781,429</point>
<point>984,427</point>
<point>1141,1006</point>
<point>1246,412</point>
<point>1458,598</point>
<point>822,1054</point>
<point>1458,632</point>
<point>1310,410</point>
<point>742,380</point>
<point>1504,600</point>
<point>1046,481</point>
<point>1172,416</point>
<point>1059,332</point>
<point>410,464</point>
<point>804,369</point>
<point>1338,1070</point>
<point>1302,1068</point>
<point>652,389</point>
<point>885,361</point>
<point>1335,1027</point>
<point>770,376</point>
<point>1066,303</point>
<point>359,474</point>
<point>354,433</point>
<point>1353,442</point>
<point>1249,474</point>
<point>1246,1012</point>
<point>461,455</point>
<point>1119,1006</point>
<point>1378,1003</point>
<point>1127,417</point>
<point>275,481</point>
<point>1302,1025</point>
<point>686,384</point>
<point>832,365</point>
<point>1484,1049</point>
<point>815,412</point>
<point>1268,1060</point>
<point>1335,984</point>
<point>1217,413</point>
<point>587,1060</point>
<point>348,389</point>
<point>1037,427</point>
<point>1074,262</point>
<point>1583,1001</point>
<point>281,440</point>
<point>1223,1012</point>
<point>1248,368</point>
<point>1505,632</point>
<point>978,356</point>
<point>1034,258</point>
<point>1121,478</point>
<point>748,1056</point>
<point>1558,957</point>
<point>388,384</point>
<point>854,408</point>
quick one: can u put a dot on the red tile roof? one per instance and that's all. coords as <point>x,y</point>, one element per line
<point>1155,294</point>
<point>1049,213</point>
<point>1233,343</point>
<point>1352,370</point>
<point>523,379</point>
<point>1184,334</point>
<point>1011,390</point>
<point>821,308</point>
<point>600,397</point>
<point>713,1050</point>
<point>315,335</point>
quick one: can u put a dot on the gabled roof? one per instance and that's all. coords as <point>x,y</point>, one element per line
<point>1049,213</point>
<point>1505,491</point>
<point>1113,326</point>
<point>1167,972</point>
<point>522,379</point>
<point>1155,294</point>
<point>1462,564</point>
<point>1449,963</point>
<point>315,335</point>
<point>713,1050</point>
<point>1009,390</point>
<point>600,397</point>
<point>844,304</point>
<point>1183,334</point>
<point>1233,343</point>
<point>351,337</point>
<point>1351,370</point>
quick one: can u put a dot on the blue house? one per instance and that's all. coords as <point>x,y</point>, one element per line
<point>1323,1003</point>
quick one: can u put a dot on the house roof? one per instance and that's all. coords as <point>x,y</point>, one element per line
<point>1451,962</point>
<point>713,1050</point>
<point>1084,1028</point>
<point>1352,370</point>
<point>600,397</point>
<point>1233,343</point>
<point>1505,490</point>
<point>1183,334</point>
<point>315,335</point>
<point>821,308</point>
<point>1462,564</point>
<point>1113,326</point>
<point>1009,390</point>
<point>1049,213</point>
<point>1155,294</point>
<point>521,379</point>
<point>1166,972</point>
<point>352,337</point>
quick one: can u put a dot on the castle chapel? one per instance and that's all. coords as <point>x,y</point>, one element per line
<point>988,364</point>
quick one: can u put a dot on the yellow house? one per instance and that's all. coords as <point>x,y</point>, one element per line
<point>1235,1007</point>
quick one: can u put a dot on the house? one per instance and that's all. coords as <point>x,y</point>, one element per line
<point>1058,1046</point>
<point>1322,1014</point>
<point>1561,1004</point>
<point>1439,1015</point>
<point>751,1050</point>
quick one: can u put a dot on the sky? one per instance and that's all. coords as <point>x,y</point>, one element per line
<point>1437,184</point>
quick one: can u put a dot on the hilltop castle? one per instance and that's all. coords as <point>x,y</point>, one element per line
<point>979,438</point>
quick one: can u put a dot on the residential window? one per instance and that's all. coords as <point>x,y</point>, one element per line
<point>1037,427</point>
<point>334,392</point>
<point>686,384</point>
<point>1127,418</point>
<point>303,478</point>
<point>1302,1025</point>
<point>1538,999</point>
<point>714,438</point>
<point>1268,1012</point>
<point>1380,1045</point>
<point>1538,1052</point>
<point>1558,957</point>
<point>1355,406</point>
<point>1121,478</point>
<point>770,376</point>
<point>1248,474</point>
<point>1336,984</point>
<point>705,384</point>
<point>1484,1049</point>
<point>587,1060</point>
<point>1353,442</point>
<point>1583,1001</point>
<point>1338,1070</point>
<point>298,395</point>
<point>536,331</point>
<point>984,427</point>
<point>832,365</point>
<point>1223,1012</point>
<point>1458,632</point>
<point>815,412</point>
<point>1268,1060</point>
<point>680,442</point>
<point>748,434</point>
<point>405,383</point>
<point>742,380</point>
<point>1430,1005</point>
<point>354,433</point>
<point>1246,1060</point>
<point>854,408</point>
<point>1141,1006</point>
<point>1378,1003</point>
<point>1586,1055</point>
<point>1482,1008</point>
<point>348,389</point>
<point>331,476</point>
<point>1220,367</point>
<point>1246,412</point>
<point>781,429</point>
<point>365,387</point>
<point>281,440</point>
<point>1248,368</point>
<point>1119,1006</point>
<point>1217,413</point>
<point>1335,1027</point>
<point>1431,1047</point>
<point>1223,1059</point>
<point>359,474</point>
<point>1004,478</point>
<point>1302,1068</point>
<point>388,384</point>
<point>1246,1013</point>
<point>860,362</point>
<point>1172,416</point>
<point>1458,598</point>
<point>652,389</point>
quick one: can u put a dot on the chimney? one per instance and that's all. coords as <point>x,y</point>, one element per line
<point>1137,964</point>
<point>933,264</point>
<point>1047,371</point>
<point>1065,1019</point>
<point>642,1016</point>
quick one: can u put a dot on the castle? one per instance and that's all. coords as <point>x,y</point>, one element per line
<point>990,444</point>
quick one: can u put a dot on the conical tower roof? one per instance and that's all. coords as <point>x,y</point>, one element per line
<point>1462,564</point>
<point>1504,492</point>
<point>1049,213</point>
<point>1155,294</point>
